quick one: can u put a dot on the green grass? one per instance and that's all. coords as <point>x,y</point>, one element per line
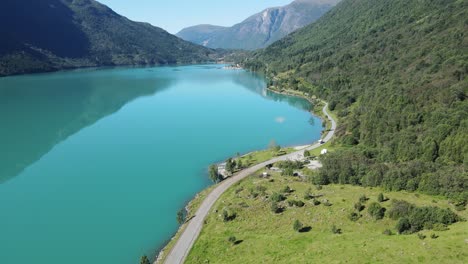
<point>265,237</point>
<point>263,155</point>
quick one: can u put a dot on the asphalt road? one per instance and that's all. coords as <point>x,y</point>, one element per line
<point>186,240</point>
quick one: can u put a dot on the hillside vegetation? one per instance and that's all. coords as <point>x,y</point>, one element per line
<point>328,224</point>
<point>58,34</point>
<point>395,71</point>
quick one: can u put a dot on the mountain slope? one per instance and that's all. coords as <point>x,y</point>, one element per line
<point>55,34</point>
<point>259,30</point>
<point>395,71</point>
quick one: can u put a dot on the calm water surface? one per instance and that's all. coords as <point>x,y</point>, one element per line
<point>94,164</point>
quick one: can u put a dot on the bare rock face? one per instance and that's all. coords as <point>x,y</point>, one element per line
<point>262,29</point>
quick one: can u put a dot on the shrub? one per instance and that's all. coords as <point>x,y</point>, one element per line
<point>181,216</point>
<point>387,232</point>
<point>308,194</point>
<point>434,236</point>
<point>359,206</point>
<point>227,215</point>
<point>439,227</point>
<point>275,208</point>
<point>287,172</point>
<point>232,239</point>
<point>380,198</point>
<point>296,203</point>
<point>460,207</point>
<point>335,230</point>
<point>277,197</point>
<point>421,236</point>
<point>316,202</point>
<point>238,190</point>
<point>300,203</point>
<point>144,260</point>
<point>399,209</point>
<point>253,193</point>
<point>363,199</point>
<point>403,225</point>
<point>354,216</point>
<point>286,189</point>
<point>297,226</point>
<point>376,211</point>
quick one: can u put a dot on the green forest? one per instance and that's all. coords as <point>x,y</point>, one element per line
<point>83,33</point>
<point>395,73</point>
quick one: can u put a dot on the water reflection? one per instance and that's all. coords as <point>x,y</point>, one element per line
<point>257,84</point>
<point>39,111</point>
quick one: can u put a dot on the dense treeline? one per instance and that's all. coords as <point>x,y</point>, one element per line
<point>395,72</point>
<point>412,219</point>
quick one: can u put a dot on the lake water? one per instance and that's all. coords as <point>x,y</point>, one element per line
<point>94,164</point>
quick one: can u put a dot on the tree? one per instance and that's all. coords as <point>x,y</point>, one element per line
<point>273,146</point>
<point>144,260</point>
<point>181,216</point>
<point>307,153</point>
<point>214,174</point>
<point>376,211</point>
<point>230,165</point>
<point>240,166</point>
<point>297,226</point>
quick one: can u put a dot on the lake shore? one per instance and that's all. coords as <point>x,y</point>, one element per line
<point>201,198</point>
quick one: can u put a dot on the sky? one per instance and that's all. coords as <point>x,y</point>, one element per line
<point>174,15</point>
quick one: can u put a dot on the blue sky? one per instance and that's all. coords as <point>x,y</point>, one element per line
<point>173,15</point>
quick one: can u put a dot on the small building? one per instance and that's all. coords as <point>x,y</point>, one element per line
<point>324,151</point>
<point>222,170</point>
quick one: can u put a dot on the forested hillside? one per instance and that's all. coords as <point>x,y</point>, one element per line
<point>396,73</point>
<point>48,35</point>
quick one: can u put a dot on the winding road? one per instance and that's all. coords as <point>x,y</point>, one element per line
<point>186,240</point>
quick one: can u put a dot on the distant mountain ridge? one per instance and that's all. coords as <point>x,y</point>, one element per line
<point>261,29</point>
<point>50,35</point>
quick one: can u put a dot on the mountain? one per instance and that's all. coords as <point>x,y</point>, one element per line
<point>259,30</point>
<point>50,35</point>
<point>199,34</point>
<point>395,72</point>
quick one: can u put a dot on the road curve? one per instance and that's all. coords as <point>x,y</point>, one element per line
<point>186,240</point>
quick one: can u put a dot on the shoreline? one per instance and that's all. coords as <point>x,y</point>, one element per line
<point>215,191</point>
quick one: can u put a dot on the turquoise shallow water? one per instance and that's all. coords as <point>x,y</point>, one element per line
<point>94,164</point>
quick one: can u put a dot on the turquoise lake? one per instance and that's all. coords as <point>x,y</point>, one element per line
<point>94,164</point>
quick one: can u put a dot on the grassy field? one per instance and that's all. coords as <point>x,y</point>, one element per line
<point>265,237</point>
<point>192,207</point>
